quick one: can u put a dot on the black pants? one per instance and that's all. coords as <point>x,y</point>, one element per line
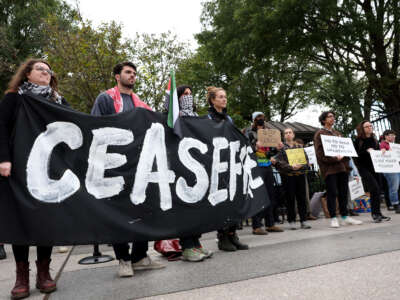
<point>190,242</point>
<point>268,213</point>
<point>21,253</point>
<point>337,182</point>
<point>139,251</point>
<point>295,189</point>
<point>372,181</point>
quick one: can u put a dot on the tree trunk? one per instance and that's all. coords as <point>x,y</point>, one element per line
<point>392,108</point>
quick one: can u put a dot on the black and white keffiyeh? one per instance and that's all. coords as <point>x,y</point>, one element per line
<point>42,90</point>
<point>186,106</point>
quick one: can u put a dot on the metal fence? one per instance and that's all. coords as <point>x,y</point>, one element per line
<point>389,121</point>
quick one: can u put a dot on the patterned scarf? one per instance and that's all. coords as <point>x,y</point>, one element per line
<point>41,90</point>
<point>186,106</point>
<point>119,104</point>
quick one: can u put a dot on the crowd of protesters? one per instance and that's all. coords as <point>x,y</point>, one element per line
<point>35,76</point>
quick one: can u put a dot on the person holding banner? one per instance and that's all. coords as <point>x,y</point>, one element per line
<point>116,100</point>
<point>393,179</point>
<point>292,164</point>
<point>33,76</point>
<point>335,171</point>
<point>228,240</point>
<point>264,163</point>
<point>192,250</point>
<point>364,144</point>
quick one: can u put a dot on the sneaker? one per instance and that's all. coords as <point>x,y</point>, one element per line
<point>384,218</point>
<point>62,249</point>
<point>207,253</point>
<point>3,254</point>
<point>292,226</point>
<point>305,225</point>
<point>259,231</point>
<point>397,209</point>
<point>193,254</point>
<point>125,269</point>
<point>353,213</point>
<point>274,229</point>
<point>350,221</point>
<point>334,223</point>
<point>376,218</point>
<point>147,263</point>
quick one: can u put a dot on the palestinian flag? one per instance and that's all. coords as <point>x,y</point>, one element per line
<point>173,107</point>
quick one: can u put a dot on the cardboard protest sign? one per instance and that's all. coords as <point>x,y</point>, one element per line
<point>312,158</point>
<point>385,163</point>
<point>296,156</point>
<point>356,189</point>
<point>269,137</point>
<point>335,145</point>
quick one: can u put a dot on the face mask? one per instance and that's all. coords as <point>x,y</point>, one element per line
<point>260,122</point>
<point>186,102</point>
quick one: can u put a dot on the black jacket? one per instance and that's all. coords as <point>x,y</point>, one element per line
<point>282,162</point>
<point>217,116</point>
<point>363,161</point>
<point>9,108</point>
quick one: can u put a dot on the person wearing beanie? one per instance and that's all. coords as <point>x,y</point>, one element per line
<point>264,163</point>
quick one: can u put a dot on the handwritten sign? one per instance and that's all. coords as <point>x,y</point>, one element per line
<point>296,156</point>
<point>312,158</point>
<point>395,148</point>
<point>269,137</point>
<point>356,189</point>
<point>335,145</point>
<point>385,163</point>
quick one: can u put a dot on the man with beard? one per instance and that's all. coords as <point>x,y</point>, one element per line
<point>116,100</point>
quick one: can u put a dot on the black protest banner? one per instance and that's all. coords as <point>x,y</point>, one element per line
<point>81,179</point>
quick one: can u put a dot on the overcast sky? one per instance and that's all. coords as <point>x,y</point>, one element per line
<point>182,17</point>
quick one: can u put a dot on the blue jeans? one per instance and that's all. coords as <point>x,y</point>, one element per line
<point>393,181</point>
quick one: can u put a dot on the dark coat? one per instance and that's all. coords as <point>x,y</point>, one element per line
<point>282,162</point>
<point>9,108</point>
<point>363,161</point>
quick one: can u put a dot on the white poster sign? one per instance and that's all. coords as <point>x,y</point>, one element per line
<point>385,163</point>
<point>336,145</point>
<point>395,148</point>
<point>356,189</point>
<point>312,158</point>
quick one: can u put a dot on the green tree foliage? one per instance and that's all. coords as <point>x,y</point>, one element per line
<point>199,72</point>
<point>155,56</point>
<point>343,54</point>
<point>21,31</point>
<point>360,37</point>
<point>276,83</point>
<point>83,58</point>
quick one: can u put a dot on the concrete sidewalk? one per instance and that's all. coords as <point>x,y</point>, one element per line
<point>351,262</point>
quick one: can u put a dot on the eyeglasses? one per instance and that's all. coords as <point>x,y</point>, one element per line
<point>41,69</point>
<point>368,126</point>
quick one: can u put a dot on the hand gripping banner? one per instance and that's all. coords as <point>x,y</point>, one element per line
<point>82,179</point>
